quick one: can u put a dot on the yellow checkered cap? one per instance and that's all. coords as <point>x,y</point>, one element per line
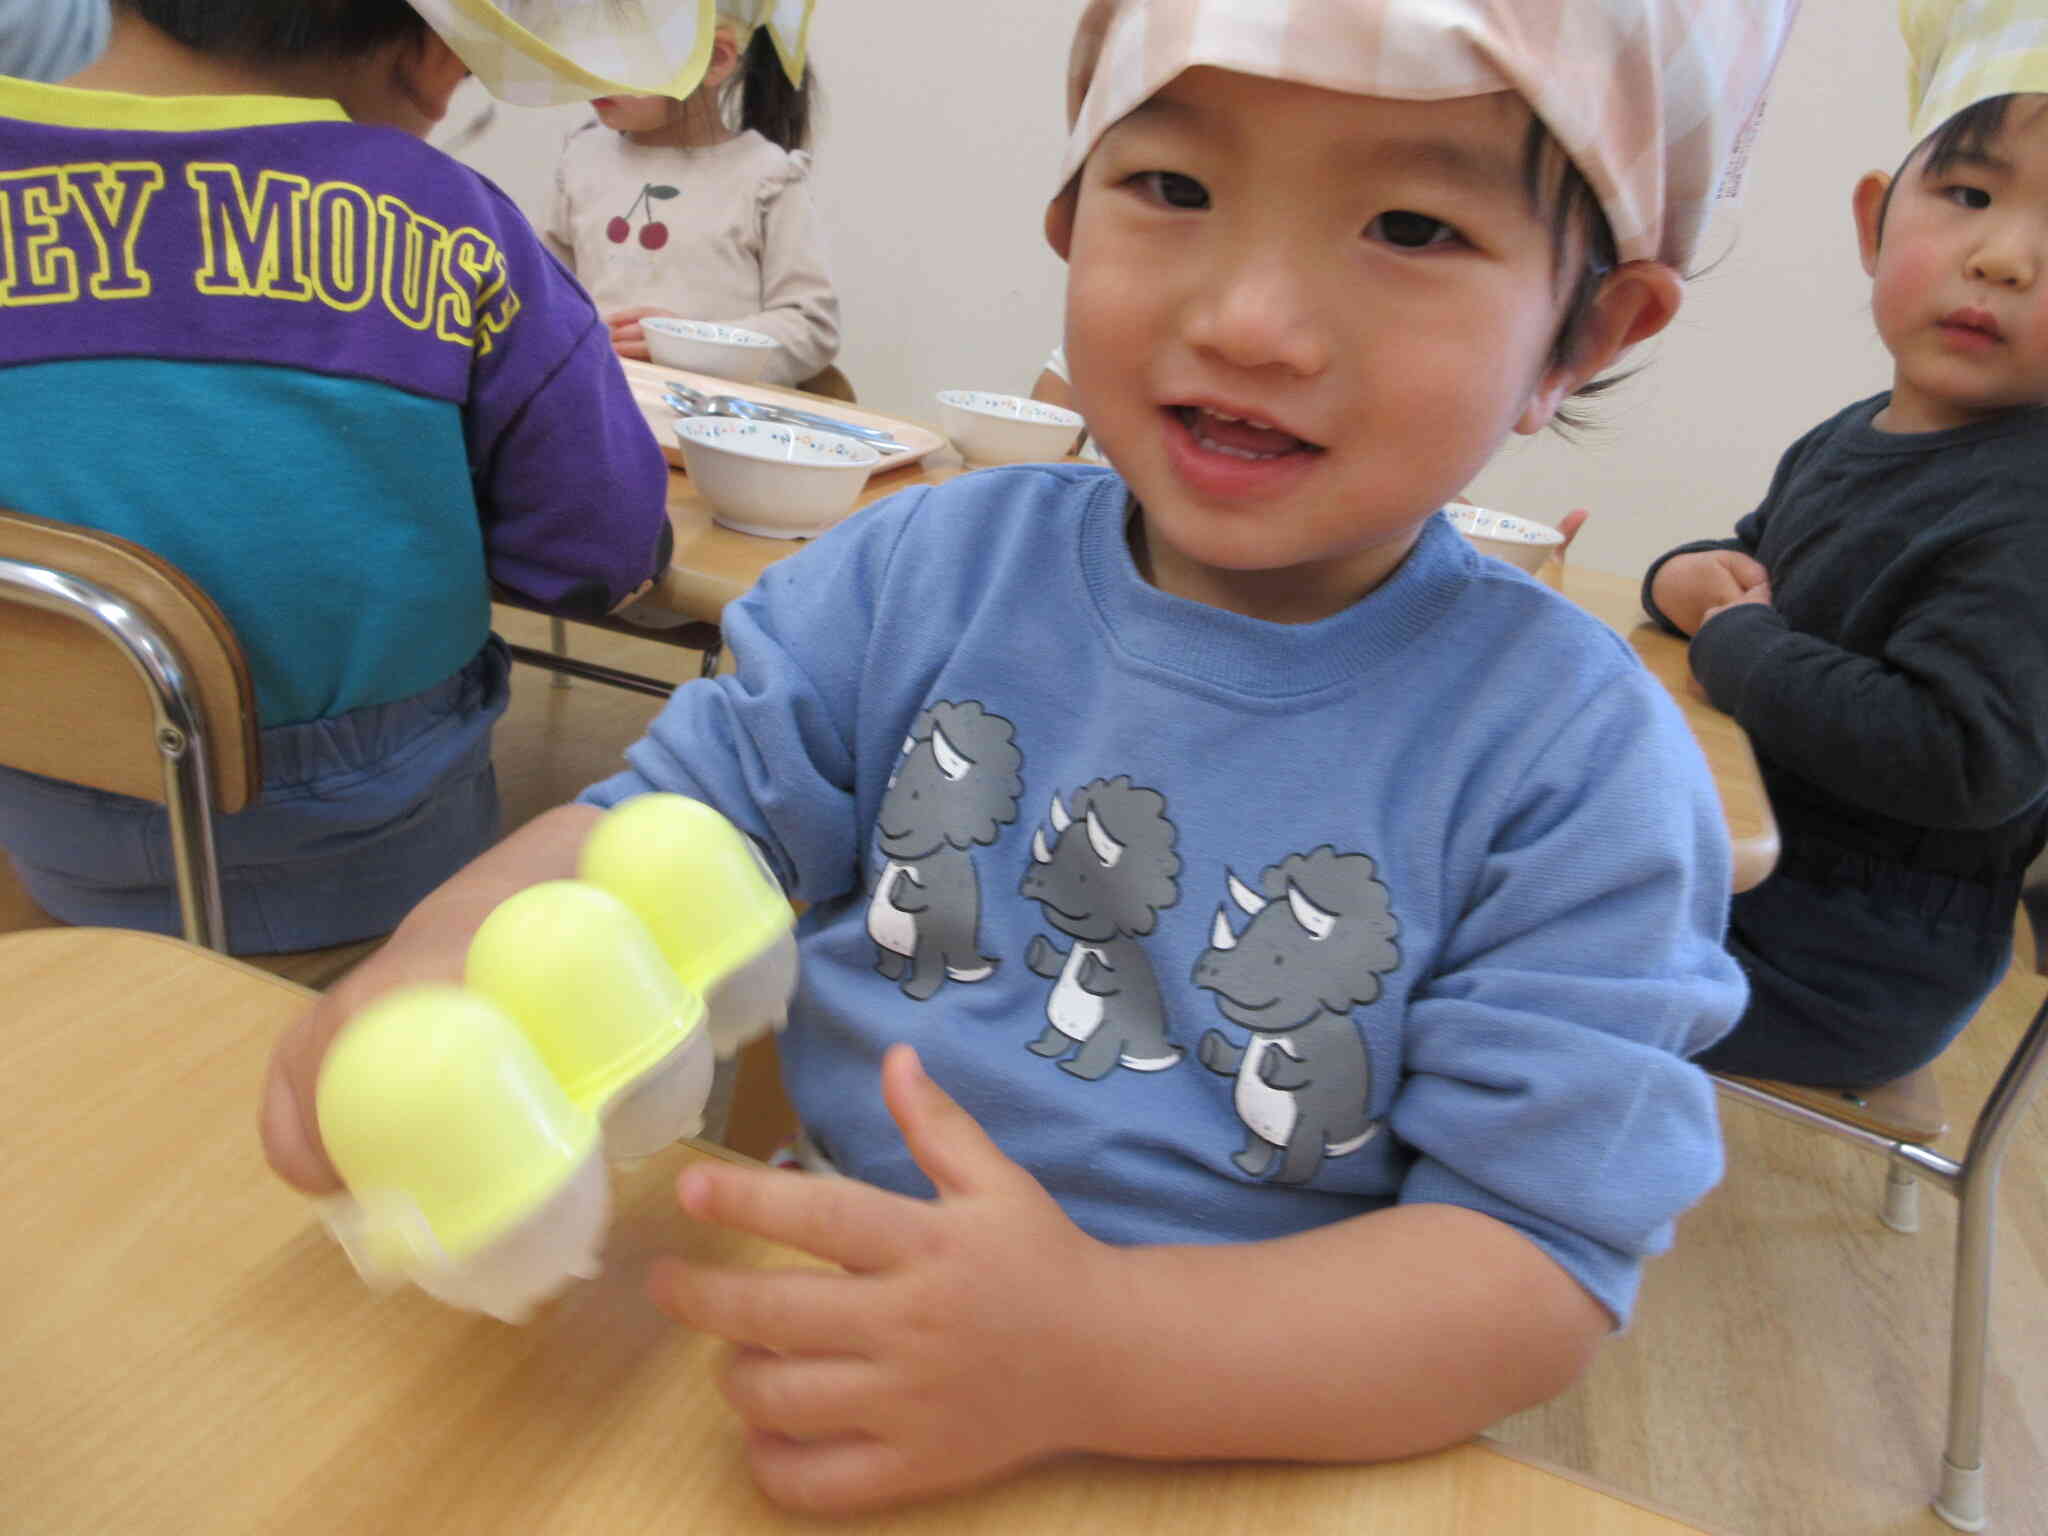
<point>544,53</point>
<point>1652,99</point>
<point>1960,52</point>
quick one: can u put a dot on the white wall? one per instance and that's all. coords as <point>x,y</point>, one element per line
<point>934,180</point>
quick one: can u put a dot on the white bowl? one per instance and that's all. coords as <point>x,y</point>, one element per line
<point>1513,539</point>
<point>1006,429</point>
<point>764,478</point>
<point>723,351</point>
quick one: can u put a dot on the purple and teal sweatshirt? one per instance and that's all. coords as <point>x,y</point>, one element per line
<point>324,369</point>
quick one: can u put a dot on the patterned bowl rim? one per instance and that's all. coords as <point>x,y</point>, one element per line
<point>1503,526</point>
<point>1018,408</point>
<point>703,330</point>
<point>732,435</point>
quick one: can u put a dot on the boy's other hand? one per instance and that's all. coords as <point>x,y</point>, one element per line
<point>952,1349</point>
<point>288,1124</point>
<point>629,339</point>
<point>1690,587</point>
<point>1759,594</point>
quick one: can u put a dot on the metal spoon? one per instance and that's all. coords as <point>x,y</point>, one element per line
<point>685,401</point>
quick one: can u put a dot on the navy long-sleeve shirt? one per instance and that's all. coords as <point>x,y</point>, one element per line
<point>1896,687</point>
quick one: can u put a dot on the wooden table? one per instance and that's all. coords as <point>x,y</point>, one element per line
<point>182,1349</point>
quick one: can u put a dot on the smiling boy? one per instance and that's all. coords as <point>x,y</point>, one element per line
<point>1327,909</point>
<point>1877,624</point>
<point>1283,423</point>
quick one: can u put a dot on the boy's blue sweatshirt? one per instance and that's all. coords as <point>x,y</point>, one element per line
<point>1226,929</point>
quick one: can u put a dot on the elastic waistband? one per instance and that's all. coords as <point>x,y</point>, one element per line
<point>1987,905</point>
<point>367,740</point>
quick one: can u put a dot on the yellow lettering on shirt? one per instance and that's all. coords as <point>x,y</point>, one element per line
<point>414,247</point>
<point>53,217</point>
<point>254,244</point>
<point>344,245</point>
<point>69,232</point>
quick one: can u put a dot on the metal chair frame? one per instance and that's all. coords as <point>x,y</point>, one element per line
<point>181,738</point>
<point>698,635</point>
<point>1973,1181</point>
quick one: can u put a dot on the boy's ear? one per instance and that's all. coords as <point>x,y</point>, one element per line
<point>1636,301</point>
<point>1059,219</point>
<point>429,74</point>
<point>1868,204</point>
<point>725,58</point>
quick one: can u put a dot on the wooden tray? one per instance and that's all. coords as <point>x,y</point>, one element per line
<point>650,379</point>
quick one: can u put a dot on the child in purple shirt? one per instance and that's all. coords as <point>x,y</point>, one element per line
<point>353,390</point>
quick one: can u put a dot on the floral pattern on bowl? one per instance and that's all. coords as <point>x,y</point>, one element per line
<point>1513,539</point>
<point>707,330</point>
<point>1011,408</point>
<point>1485,523</point>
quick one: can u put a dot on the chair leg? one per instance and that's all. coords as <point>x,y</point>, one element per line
<point>558,642</point>
<point>1961,1499</point>
<point>1901,1210</point>
<point>712,652</point>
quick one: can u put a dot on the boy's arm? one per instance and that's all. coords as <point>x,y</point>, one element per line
<point>982,1331</point>
<point>429,946</point>
<point>767,746</point>
<point>1461,1322</point>
<point>571,483</point>
<point>1946,727</point>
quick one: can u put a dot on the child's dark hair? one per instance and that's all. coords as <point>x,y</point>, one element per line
<point>769,103</point>
<point>271,30</point>
<point>1570,202</point>
<point>1969,135</point>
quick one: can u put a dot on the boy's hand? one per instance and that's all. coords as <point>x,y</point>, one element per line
<point>629,339</point>
<point>1690,587</point>
<point>1760,593</point>
<point>954,1347</point>
<point>429,946</point>
<point>1569,525</point>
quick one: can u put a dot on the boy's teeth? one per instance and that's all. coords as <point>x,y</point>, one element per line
<point>1235,453</point>
<point>1236,437</point>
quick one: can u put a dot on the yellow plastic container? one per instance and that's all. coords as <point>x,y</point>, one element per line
<point>694,880</point>
<point>579,972</point>
<point>446,1126</point>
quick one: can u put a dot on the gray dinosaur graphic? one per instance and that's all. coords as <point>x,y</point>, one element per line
<point>1322,934</point>
<point>1103,882</point>
<point>955,787</point>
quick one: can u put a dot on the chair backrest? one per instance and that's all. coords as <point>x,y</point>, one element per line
<point>832,384</point>
<point>74,703</point>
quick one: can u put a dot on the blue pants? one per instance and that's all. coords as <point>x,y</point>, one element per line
<point>360,816</point>
<point>1859,973</point>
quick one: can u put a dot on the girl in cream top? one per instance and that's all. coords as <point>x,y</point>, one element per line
<point>661,208</point>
